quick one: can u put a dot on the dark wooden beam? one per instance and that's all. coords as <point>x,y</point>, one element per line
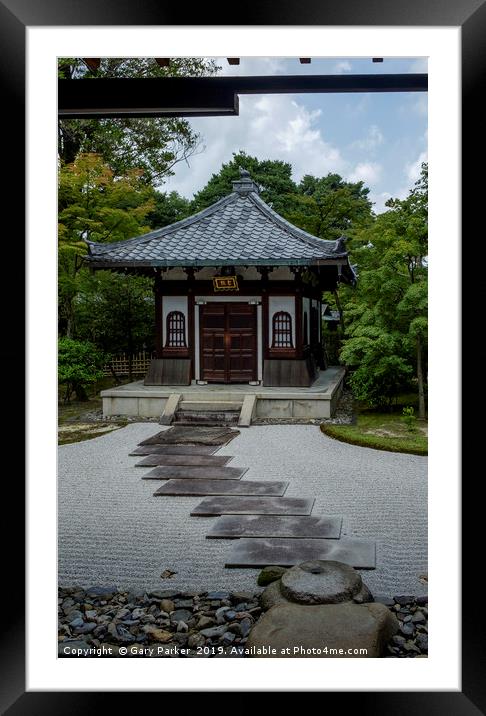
<point>163,61</point>
<point>204,96</point>
<point>233,60</point>
<point>92,62</point>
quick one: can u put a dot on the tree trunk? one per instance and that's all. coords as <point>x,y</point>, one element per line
<point>420,378</point>
<point>81,393</point>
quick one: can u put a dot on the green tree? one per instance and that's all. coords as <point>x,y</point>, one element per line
<point>169,207</point>
<point>273,177</point>
<point>80,364</point>
<point>116,312</point>
<point>94,206</point>
<point>151,145</point>
<point>386,316</point>
<point>329,206</point>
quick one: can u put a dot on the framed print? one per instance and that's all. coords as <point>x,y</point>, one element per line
<point>230,332</point>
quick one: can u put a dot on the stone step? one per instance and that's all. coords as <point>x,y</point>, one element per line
<point>234,526</point>
<point>189,460</point>
<point>212,406</point>
<point>254,506</point>
<point>222,487</point>
<point>209,418</point>
<point>187,472</point>
<point>260,552</point>
<point>192,435</point>
<point>175,450</point>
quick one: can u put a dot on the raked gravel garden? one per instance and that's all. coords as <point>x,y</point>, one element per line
<point>167,589</point>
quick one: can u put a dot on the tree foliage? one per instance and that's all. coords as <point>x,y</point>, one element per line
<point>273,177</point>
<point>386,316</point>
<point>329,206</point>
<point>80,364</point>
<point>150,145</point>
<point>94,205</point>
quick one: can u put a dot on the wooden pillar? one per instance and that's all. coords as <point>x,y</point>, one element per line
<point>191,286</point>
<point>158,313</point>
<point>264,291</point>
<point>299,332</point>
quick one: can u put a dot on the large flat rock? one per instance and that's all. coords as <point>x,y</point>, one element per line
<point>254,506</point>
<point>175,450</point>
<point>342,631</point>
<point>192,460</point>
<point>192,435</point>
<point>233,526</point>
<point>285,552</point>
<point>186,472</point>
<point>222,487</point>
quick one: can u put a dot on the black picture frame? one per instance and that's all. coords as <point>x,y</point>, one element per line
<point>15,16</point>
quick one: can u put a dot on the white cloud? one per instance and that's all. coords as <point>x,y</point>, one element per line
<point>412,170</point>
<point>372,140</point>
<point>269,127</point>
<point>343,66</point>
<point>379,201</point>
<point>369,172</point>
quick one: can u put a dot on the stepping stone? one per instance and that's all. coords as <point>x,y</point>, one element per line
<point>190,460</point>
<point>174,450</point>
<point>233,526</point>
<point>222,487</point>
<point>184,472</point>
<point>254,506</point>
<point>192,435</point>
<point>260,552</point>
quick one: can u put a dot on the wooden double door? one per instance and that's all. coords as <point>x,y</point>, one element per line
<point>228,342</point>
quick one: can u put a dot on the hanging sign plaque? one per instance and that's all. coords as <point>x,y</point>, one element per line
<point>225,283</point>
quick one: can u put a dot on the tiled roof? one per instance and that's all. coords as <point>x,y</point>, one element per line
<point>240,229</point>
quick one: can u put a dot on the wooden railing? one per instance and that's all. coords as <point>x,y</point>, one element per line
<point>119,364</point>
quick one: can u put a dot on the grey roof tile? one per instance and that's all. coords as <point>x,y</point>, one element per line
<point>240,228</point>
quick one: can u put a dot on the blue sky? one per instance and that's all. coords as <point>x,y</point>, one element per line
<point>380,138</point>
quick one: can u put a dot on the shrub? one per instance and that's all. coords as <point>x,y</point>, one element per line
<point>80,364</point>
<point>409,418</point>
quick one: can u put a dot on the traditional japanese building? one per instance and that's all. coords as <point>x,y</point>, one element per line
<point>238,293</point>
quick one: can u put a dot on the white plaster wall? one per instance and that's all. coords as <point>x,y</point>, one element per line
<point>173,303</point>
<point>280,303</point>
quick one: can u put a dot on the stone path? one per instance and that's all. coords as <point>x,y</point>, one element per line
<point>233,526</point>
<point>289,542</point>
<point>215,506</point>
<point>193,460</point>
<point>287,552</point>
<point>187,472</point>
<point>113,531</point>
<point>222,487</point>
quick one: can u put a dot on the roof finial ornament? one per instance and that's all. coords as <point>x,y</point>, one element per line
<point>245,184</point>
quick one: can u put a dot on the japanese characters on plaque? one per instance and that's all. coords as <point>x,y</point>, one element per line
<point>225,283</point>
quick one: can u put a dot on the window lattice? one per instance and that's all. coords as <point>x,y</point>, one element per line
<point>282,330</point>
<point>176,330</point>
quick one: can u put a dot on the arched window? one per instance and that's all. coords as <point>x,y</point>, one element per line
<point>176,330</point>
<point>282,330</point>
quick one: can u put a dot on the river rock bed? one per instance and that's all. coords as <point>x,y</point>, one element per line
<point>104,621</point>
